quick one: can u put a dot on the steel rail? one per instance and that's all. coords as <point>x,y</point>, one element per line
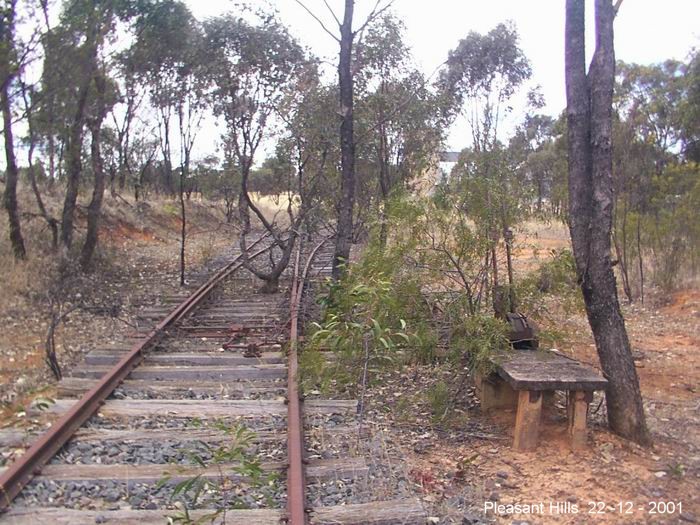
<point>296,498</point>
<point>16,477</point>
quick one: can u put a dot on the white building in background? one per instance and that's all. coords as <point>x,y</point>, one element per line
<point>448,159</point>
<point>436,173</point>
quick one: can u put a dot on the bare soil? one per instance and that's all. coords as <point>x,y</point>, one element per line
<point>458,459</point>
<point>462,460</point>
<point>137,264</point>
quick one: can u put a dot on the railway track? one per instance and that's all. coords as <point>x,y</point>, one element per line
<point>199,417</point>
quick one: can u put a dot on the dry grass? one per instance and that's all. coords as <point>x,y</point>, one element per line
<point>137,259</point>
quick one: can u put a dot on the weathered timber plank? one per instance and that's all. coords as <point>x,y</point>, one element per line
<point>151,473</point>
<point>218,335</point>
<point>192,373</point>
<point>101,357</point>
<point>206,408</point>
<point>181,435</point>
<point>64,516</point>
<point>99,435</point>
<point>527,420</point>
<point>76,386</point>
<point>226,313</point>
<point>15,438</point>
<point>221,322</point>
<point>226,329</point>
<point>577,410</point>
<point>541,370</point>
<point>394,512</point>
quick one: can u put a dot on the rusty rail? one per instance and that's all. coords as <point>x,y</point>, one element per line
<point>296,499</point>
<point>16,477</point>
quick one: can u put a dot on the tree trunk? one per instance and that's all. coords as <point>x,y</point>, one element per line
<point>540,192</point>
<point>51,146</point>
<point>50,221</point>
<point>7,74</point>
<point>343,240</point>
<point>640,257</point>
<point>75,140</point>
<point>508,236</point>
<point>384,182</point>
<point>74,168</point>
<point>11,176</point>
<point>245,204</point>
<point>383,186</point>
<point>621,252</point>
<point>183,229</point>
<point>589,114</point>
<point>95,206</point>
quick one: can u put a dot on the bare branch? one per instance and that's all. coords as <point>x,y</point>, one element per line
<point>333,13</point>
<point>320,22</point>
<point>616,7</point>
<point>375,13</point>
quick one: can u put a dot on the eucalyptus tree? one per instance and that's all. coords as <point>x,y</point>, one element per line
<point>72,52</point>
<point>651,98</point>
<point>165,58</point>
<point>125,120</point>
<point>483,72</point>
<point>191,103</point>
<point>103,99</point>
<point>307,156</point>
<point>346,37</point>
<point>252,66</point>
<point>169,57</point>
<point>691,109</point>
<point>589,95</point>
<point>653,172</point>
<point>10,66</point>
<point>533,158</point>
<point>399,131</point>
<point>79,37</point>
<point>29,99</point>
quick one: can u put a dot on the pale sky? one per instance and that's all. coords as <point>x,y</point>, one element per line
<point>646,31</point>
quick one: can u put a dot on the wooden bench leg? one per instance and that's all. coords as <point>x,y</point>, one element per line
<point>577,411</point>
<point>527,420</point>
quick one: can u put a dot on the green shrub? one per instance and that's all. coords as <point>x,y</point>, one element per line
<point>557,278</point>
<point>478,340</point>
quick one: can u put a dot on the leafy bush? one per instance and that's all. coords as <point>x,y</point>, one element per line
<point>479,340</point>
<point>375,316</point>
<point>359,329</point>
<point>558,274</point>
<point>556,277</point>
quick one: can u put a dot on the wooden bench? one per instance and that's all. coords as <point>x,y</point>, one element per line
<point>524,377</point>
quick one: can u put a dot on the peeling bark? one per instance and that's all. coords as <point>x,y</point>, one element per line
<point>589,114</point>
